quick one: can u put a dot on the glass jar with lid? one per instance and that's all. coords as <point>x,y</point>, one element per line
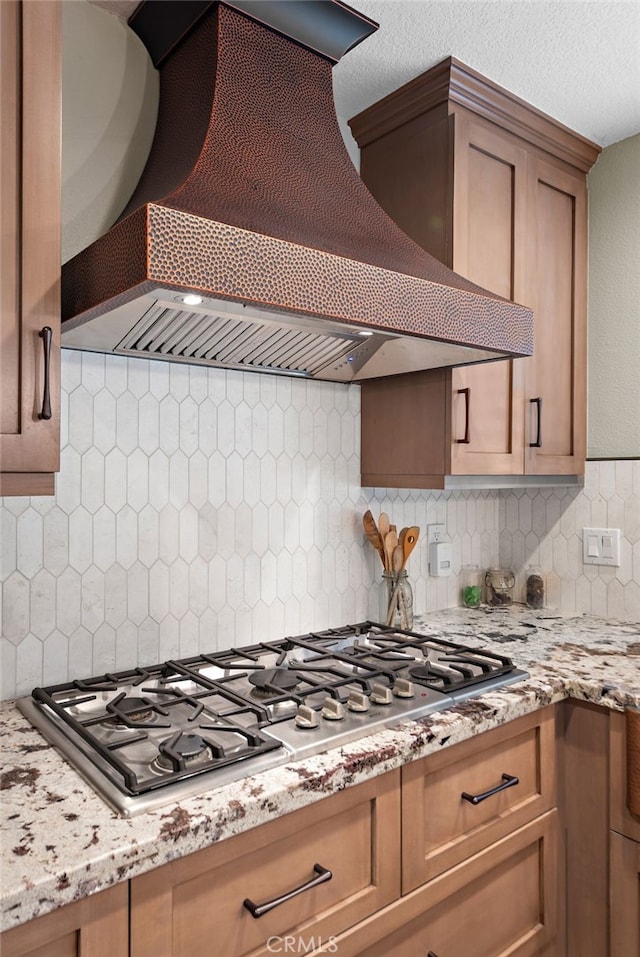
<point>534,586</point>
<point>471,586</point>
<point>499,584</point>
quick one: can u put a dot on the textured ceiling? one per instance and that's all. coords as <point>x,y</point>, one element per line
<point>577,60</point>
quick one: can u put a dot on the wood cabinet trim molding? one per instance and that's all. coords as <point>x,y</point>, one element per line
<point>451,82</point>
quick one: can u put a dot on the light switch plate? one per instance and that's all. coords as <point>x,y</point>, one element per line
<point>601,546</point>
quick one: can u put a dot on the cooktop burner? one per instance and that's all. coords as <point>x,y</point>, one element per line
<point>154,735</point>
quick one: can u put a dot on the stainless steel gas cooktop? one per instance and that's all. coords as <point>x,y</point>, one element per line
<point>154,735</point>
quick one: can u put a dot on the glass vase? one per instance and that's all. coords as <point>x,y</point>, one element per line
<point>396,600</point>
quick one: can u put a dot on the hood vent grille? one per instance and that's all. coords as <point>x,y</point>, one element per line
<point>168,333</point>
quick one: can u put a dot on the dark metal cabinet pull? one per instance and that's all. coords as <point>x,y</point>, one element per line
<point>538,442</point>
<point>432,954</point>
<point>467,400</point>
<point>257,910</point>
<point>508,781</point>
<point>46,335</point>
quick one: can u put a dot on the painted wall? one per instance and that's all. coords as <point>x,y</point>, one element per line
<point>614,302</point>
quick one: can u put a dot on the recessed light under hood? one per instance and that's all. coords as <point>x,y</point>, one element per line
<point>250,241</point>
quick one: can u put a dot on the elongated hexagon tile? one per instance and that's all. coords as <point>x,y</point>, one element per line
<point>115,482</point>
<point>80,539</point>
<point>29,664</point>
<point>169,638</point>
<point>198,479</point>
<point>158,480</point>
<point>198,586</point>
<point>188,427</point>
<point>127,645</point>
<point>126,536</point>
<point>68,600</point>
<point>179,588</point>
<point>104,421</point>
<point>169,424</point>
<point>93,603</point>
<point>92,479</point>
<point>189,635</point>
<point>15,608</point>
<point>149,423</point>
<point>148,535</point>
<point>179,479</point>
<point>115,595</point>
<point>81,653</point>
<point>55,661</point>
<point>29,542</point>
<point>148,641</point>
<point>104,649</point>
<point>42,604</point>
<point>137,593</point>
<point>159,379</point>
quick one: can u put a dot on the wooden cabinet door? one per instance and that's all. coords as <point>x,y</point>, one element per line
<point>97,926</point>
<point>624,896</point>
<point>30,243</point>
<point>489,248</point>
<point>555,376</point>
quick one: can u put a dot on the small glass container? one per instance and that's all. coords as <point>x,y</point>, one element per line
<point>471,591</point>
<point>534,586</point>
<point>499,583</point>
<point>396,600</point>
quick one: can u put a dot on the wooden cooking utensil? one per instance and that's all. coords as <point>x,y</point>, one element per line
<point>383,525</point>
<point>372,533</point>
<point>390,545</point>
<point>409,541</point>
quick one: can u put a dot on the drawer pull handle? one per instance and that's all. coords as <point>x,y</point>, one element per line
<point>508,781</point>
<point>467,399</point>
<point>46,335</point>
<point>432,954</point>
<point>257,910</point>
<point>538,442</point>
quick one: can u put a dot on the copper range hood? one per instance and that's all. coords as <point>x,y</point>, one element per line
<point>250,241</point>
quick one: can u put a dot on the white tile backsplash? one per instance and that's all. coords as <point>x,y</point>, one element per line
<point>199,508</point>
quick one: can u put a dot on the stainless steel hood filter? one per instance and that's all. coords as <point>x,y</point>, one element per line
<point>250,241</point>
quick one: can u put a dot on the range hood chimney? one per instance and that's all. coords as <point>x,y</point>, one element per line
<point>250,241</point>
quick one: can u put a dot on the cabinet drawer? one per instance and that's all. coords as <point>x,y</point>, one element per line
<point>501,902</point>
<point>623,819</point>
<point>195,905</point>
<point>440,828</point>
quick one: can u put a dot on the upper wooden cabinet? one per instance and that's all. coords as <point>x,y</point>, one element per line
<point>496,190</point>
<point>30,245</point>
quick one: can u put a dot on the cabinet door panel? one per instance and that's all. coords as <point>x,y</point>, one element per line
<point>488,248</point>
<point>556,373</point>
<point>30,252</point>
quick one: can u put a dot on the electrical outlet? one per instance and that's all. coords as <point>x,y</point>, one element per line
<point>435,533</point>
<point>601,546</point>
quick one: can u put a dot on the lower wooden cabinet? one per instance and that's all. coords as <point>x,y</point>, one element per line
<point>196,905</point>
<point>503,901</point>
<point>97,926</point>
<point>624,896</point>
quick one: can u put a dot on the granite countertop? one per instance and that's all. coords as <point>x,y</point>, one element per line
<point>60,842</point>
